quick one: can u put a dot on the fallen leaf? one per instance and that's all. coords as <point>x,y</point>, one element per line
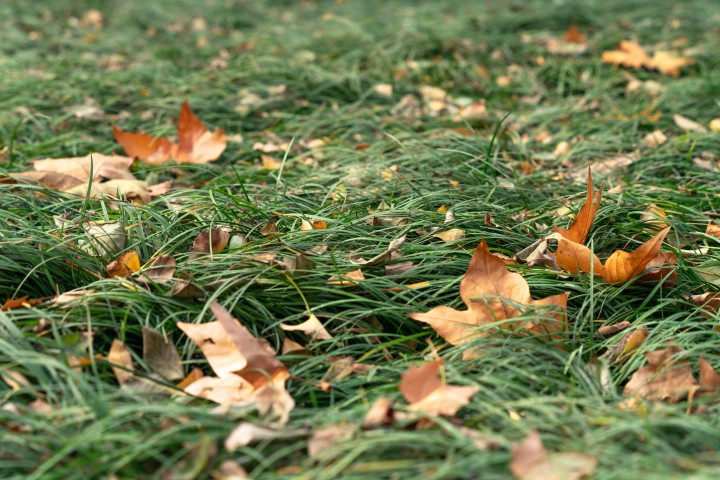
<point>194,375</point>
<point>610,330</point>
<point>668,63</point>
<point>312,327</point>
<point>492,293</point>
<point>530,461</point>
<point>22,302</point>
<point>620,267</point>
<point>121,361</point>
<point>384,89</point>
<point>451,235</point>
<point>709,378</point>
<point>160,355</point>
<point>246,433</point>
<point>626,347</point>
<point>161,270</point>
<point>714,125</point>
<point>211,241</point>
<point>196,144</point>
<point>665,377</point>
<point>380,413</point>
<point>712,229</point>
<point>631,54</point>
<point>104,238</point>
<point>580,227</point>
<point>687,124</point>
<point>574,35</point>
<point>709,302</point>
<point>654,138</point>
<point>381,258</point>
<point>185,287</point>
<point>426,392</point>
<point>329,436</point>
<point>269,162</point>
<point>347,279</point>
<point>126,264</point>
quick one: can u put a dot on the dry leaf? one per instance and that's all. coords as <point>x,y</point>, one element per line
<point>654,138</point>
<point>687,124</point>
<point>104,238</point>
<point>211,241</point>
<point>620,267</point>
<point>380,413</point>
<point>329,436</point>
<point>451,235</point>
<point>246,433</point>
<point>160,355</point>
<point>709,378</point>
<point>312,327</point>
<point>492,294</point>
<point>196,144</point>
<point>347,279</point>
<point>628,345</point>
<point>580,227</point>
<point>161,270</point>
<point>120,358</point>
<point>633,55</point>
<point>126,264</point>
<point>530,461</point>
<point>381,258</point>
<point>574,35</point>
<point>665,377</point>
<point>709,302</point>
<point>426,392</point>
<point>668,63</point>
<point>712,229</point>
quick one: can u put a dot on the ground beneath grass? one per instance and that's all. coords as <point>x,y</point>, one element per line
<point>332,118</point>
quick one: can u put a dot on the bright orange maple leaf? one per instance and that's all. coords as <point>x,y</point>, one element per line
<point>196,144</point>
<point>580,227</point>
<point>620,267</point>
<point>492,293</point>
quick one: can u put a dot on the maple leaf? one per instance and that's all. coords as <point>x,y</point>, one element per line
<point>66,173</point>
<point>492,293</point>
<point>631,54</point>
<point>665,377</point>
<point>426,392</point>
<point>530,461</point>
<point>196,144</point>
<point>620,267</point>
<point>247,371</point>
<point>580,227</point>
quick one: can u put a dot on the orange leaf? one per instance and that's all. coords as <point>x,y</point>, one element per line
<point>492,293</point>
<point>426,392</point>
<point>580,227</point>
<point>153,150</point>
<point>126,264</point>
<point>120,358</point>
<point>196,144</point>
<point>620,267</point>
<point>629,54</point>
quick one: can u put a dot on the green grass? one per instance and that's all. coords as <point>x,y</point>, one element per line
<point>139,69</point>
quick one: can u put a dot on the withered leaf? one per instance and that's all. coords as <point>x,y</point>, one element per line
<point>620,267</point>
<point>426,392</point>
<point>160,355</point>
<point>492,293</point>
<point>312,327</point>
<point>665,377</point>
<point>119,357</point>
<point>328,437</point>
<point>126,264</point>
<point>580,227</point>
<point>211,241</point>
<point>530,461</point>
<point>381,258</point>
<point>161,270</point>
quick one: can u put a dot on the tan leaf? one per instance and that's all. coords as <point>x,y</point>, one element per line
<point>687,124</point>
<point>104,167</point>
<point>712,229</point>
<point>246,433</point>
<point>668,63</point>
<point>654,138</point>
<point>329,436</point>
<point>492,294</point>
<point>120,358</point>
<point>381,258</point>
<point>629,54</point>
<point>228,390</point>
<point>426,392</point>
<point>665,377</point>
<point>709,378</point>
<point>580,227</point>
<point>126,264</point>
<point>709,302</point>
<point>217,346</point>
<point>312,327</point>
<point>160,355</point>
<point>380,413</point>
<point>451,235</point>
<point>347,279</point>
<point>530,461</point>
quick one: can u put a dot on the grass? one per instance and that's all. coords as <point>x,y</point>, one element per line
<point>328,55</point>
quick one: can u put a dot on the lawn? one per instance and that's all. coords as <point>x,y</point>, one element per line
<point>351,124</point>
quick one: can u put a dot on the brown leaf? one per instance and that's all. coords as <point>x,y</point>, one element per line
<point>161,270</point>
<point>620,267</point>
<point>312,327</point>
<point>709,302</point>
<point>426,392</point>
<point>347,279</point>
<point>152,150</point>
<point>628,345</point>
<point>380,413</point>
<point>665,377</point>
<point>120,356</point>
<point>381,258</point>
<point>211,241</point>
<point>160,355</point>
<point>126,264</point>
<point>709,378</point>
<point>574,35</point>
<point>610,330</point>
<point>492,294</point>
<point>712,229</point>
<point>530,461</point>
<point>580,227</point>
